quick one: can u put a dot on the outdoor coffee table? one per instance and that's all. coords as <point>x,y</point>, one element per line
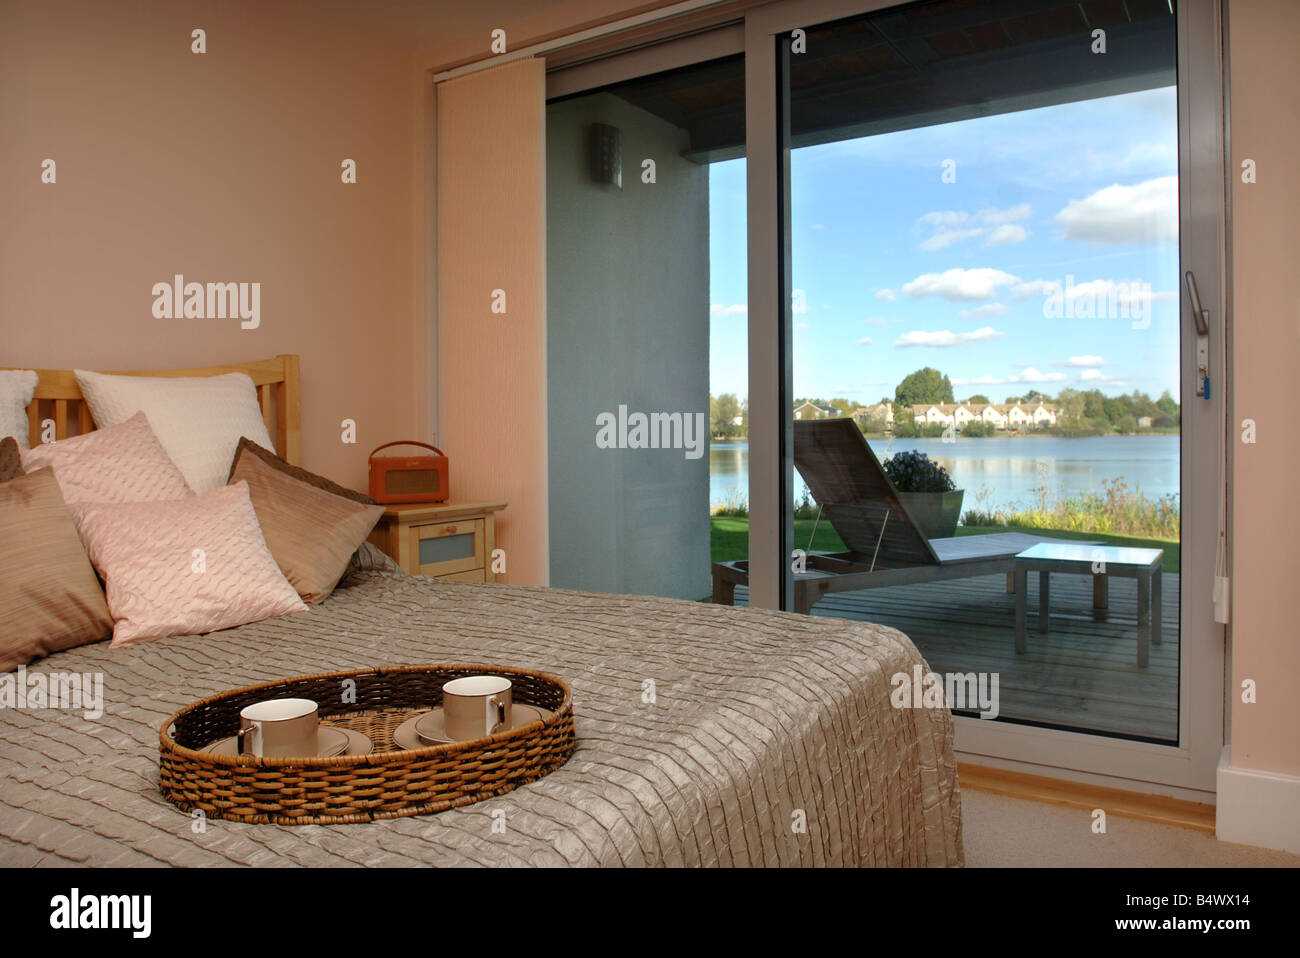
<point>1100,562</point>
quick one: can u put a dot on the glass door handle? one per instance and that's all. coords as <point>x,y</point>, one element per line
<point>1201,317</point>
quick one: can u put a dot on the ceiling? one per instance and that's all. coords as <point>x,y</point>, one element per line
<point>924,63</point>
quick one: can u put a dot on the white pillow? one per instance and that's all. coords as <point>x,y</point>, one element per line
<point>17,387</point>
<point>199,420</point>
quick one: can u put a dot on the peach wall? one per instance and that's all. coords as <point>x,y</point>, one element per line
<point>222,166</point>
<point>1265,91</point>
<point>492,236</point>
<point>225,167</point>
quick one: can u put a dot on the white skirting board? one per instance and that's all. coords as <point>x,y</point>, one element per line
<point>1257,808</point>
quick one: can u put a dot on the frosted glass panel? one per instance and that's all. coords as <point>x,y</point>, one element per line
<point>446,548</point>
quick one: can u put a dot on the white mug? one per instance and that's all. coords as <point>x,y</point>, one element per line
<point>475,706</point>
<point>278,728</point>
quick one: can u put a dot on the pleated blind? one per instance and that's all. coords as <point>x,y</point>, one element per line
<point>491,293</point>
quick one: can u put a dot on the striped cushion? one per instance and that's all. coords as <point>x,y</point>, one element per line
<point>248,447</point>
<point>311,532</point>
<point>50,599</point>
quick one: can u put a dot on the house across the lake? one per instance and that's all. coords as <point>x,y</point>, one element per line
<point>881,412</point>
<point>998,415</point>
<point>809,410</point>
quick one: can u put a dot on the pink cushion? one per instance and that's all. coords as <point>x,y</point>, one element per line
<point>186,566</point>
<point>122,463</point>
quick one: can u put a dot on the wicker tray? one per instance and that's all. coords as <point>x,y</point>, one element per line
<point>387,783</point>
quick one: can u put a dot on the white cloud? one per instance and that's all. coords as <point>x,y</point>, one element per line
<point>946,337</point>
<point>1032,375</point>
<point>1012,213</point>
<point>1081,362</point>
<point>864,341</point>
<point>944,218</point>
<point>1034,287</point>
<point>1145,212</point>
<point>950,226</point>
<point>1090,374</point>
<point>988,309</point>
<point>717,310</point>
<point>1007,233</point>
<point>944,236</point>
<point>960,284</point>
<point>876,321</point>
<point>886,295</point>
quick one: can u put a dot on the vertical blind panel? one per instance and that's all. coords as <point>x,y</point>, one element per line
<point>491,173</point>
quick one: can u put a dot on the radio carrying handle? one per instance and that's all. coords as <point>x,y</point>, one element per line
<point>406,442</point>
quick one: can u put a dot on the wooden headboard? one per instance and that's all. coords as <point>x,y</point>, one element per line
<point>277,382</point>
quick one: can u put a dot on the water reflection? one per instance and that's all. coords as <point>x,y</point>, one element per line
<point>1002,472</point>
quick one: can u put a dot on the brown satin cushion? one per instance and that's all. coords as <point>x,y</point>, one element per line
<point>11,463</point>
<point>311,531</point>
<point>50,599</point>
<point>247,446</point>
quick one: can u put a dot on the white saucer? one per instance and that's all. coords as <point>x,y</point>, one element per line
<point>431,731</point>
<point>330,741</point>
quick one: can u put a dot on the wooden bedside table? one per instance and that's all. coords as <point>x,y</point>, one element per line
<point>446,540</point>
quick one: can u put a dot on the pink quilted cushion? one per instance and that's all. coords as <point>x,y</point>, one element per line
<point>122,463</point>
<point>187,566</point>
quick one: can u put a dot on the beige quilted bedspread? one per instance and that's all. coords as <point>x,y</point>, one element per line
<point>760,722</point>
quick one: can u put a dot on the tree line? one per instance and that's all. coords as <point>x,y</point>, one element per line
<point>1079,412</point>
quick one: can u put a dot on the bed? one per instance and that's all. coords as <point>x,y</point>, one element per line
<point>707,735</point>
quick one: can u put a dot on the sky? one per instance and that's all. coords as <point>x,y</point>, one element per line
<point>1063,210</point>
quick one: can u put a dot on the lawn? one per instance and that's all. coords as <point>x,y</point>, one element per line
<point>729,538</point>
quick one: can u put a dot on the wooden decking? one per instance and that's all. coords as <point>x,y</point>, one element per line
<point>1083,674</point>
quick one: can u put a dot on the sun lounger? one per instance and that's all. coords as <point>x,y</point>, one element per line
<point>885,545</point>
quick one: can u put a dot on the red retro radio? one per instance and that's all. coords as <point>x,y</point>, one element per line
<point>396,479</point>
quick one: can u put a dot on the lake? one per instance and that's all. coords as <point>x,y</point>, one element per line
<point>1002,472</point>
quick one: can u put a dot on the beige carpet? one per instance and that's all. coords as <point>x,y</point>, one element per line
<point>1001,832</point>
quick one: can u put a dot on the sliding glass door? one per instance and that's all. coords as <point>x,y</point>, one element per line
<point>921,270</point>
<point>984,242</point>
<point>647,390</point>
<point>993,439</point>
